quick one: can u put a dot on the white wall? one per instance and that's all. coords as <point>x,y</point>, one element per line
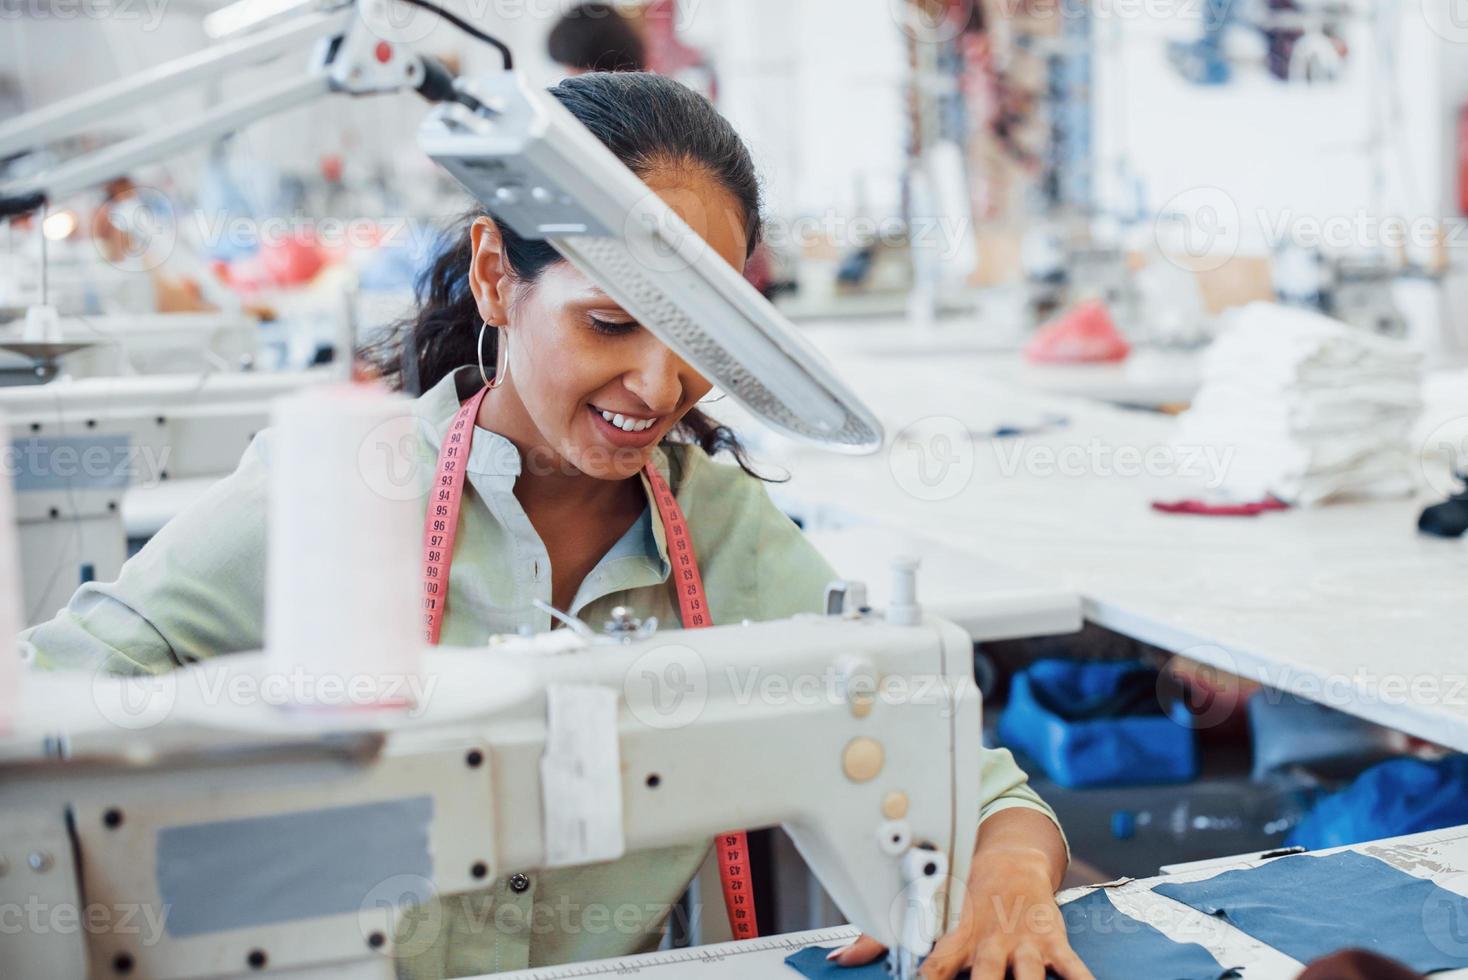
<point>1372,151</point>
<point>815,87</point>
<point>1272,147</point>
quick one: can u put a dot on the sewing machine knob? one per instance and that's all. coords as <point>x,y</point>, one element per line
<point>862,759</point>
<point>894,805</point>
<point>894,837</point>
<point>857,677</point>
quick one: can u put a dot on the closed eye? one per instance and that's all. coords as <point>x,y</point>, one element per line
<point>613,328</point>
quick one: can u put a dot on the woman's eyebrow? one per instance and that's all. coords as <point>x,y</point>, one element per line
<point>601,300</point>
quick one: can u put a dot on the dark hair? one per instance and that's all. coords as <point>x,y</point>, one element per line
<point>649,122</point>
<point>597,37</point>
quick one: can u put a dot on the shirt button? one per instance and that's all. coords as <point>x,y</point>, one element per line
<point>519,882</point>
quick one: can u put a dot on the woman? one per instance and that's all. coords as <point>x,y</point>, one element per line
<point>555,507</point>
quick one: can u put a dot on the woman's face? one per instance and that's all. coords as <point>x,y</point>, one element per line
<point>586,382</point>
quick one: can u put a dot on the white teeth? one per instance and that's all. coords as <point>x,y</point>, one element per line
<point>624,423</point>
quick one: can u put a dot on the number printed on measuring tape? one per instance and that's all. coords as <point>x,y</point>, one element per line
<point>442,526</point>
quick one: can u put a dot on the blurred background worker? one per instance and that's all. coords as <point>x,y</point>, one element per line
<point>597,37</point>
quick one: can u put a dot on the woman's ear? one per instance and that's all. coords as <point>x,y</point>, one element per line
<point>489,272</point>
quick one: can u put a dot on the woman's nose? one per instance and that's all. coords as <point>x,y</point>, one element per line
<point>658,379</point>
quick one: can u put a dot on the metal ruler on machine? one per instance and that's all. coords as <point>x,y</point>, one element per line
<point>749,958</point>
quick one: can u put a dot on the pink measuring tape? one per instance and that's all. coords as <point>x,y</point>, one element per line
<point>440,527</point>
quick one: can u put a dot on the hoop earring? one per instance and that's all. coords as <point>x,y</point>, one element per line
<point>499,378</point>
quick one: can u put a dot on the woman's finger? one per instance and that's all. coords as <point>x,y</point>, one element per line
<point>1066,963</point>
<point>951,954</point>
<point>861,952</point>
<point>1028,964</point>
<point>991,964</point>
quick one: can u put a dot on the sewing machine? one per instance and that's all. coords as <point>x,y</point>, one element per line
<point>131,344</point>
<point>173,796</point>
<point>99,461</point>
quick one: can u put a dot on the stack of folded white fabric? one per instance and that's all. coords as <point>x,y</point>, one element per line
<point>1304,408</point>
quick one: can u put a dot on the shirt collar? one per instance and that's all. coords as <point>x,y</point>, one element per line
<point>495,464</point>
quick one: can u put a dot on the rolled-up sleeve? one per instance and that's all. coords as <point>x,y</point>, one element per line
<point>195,590</point>
<point>1003,785</point>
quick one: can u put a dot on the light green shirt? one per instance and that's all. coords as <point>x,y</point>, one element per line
<point>197,590</point>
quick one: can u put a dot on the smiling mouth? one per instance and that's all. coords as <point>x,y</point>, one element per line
<point>627,423</point>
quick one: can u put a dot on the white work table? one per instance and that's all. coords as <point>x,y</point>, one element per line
<point>1440,856</point>
<point>1345,604</point>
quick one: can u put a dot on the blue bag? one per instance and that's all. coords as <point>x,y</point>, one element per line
<point>1401,796</point>
<point>1098,724</point>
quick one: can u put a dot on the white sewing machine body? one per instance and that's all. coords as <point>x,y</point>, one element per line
<point>269,838</point>
<point>135,444</point>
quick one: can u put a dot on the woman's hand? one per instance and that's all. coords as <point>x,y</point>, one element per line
<point>1009,922</point>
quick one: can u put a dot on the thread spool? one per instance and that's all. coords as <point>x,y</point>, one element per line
<point>903,608</point>
<point>346,510</point>
<point>10,616</point>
